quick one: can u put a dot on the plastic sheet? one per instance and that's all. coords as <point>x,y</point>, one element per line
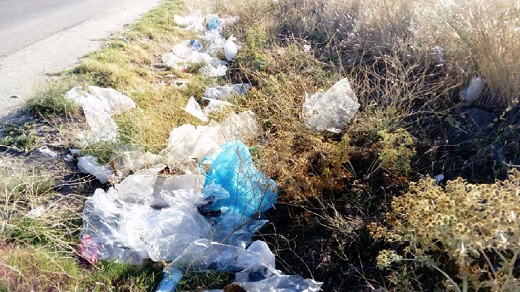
<point>98,106</point>
<point>332,110</point>
<point>226,91</point>
<point>188,144</point>
<point>124,223</point>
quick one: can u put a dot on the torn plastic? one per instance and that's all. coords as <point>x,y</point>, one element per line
<point>188,144</point>
<point>473,90</point>
<point>129,162</point>
<point>214,105</point>
<point>226,91</point>
<point>89,165</point>
<point>194,21</point>
<point>332,110</point>
<point>125,223</point>
<point>187,54</point>
<point>193,108</point>
<point>47,152</point>
<point>99,104</point>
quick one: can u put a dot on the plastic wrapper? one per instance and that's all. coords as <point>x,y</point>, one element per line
<point>332,110</point>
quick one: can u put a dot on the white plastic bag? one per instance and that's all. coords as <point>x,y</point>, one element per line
<point>332,110</point>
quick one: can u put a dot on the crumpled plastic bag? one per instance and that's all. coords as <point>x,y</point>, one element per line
<point>188,144</point>
<point>194,21</point>
<point>331,111</point>
<point>247,190</point>
<point>254,267</point>
<point>99,105</point>
<point>125,225</point>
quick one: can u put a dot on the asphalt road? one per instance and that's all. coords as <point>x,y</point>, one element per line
<point>38,37</point>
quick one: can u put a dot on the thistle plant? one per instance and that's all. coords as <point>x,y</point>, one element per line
<point>477,225</point>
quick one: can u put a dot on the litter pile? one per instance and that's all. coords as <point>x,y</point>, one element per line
<point>193,52</point>
<point>199,222</point>
<point>202,219</point>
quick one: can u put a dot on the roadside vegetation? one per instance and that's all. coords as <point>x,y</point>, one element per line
<point>419,193</point>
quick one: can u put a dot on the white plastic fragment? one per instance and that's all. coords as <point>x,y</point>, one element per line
<point>212,70</point>
<point>89,165</point>
<point>188,144</point>
<point>194,109</point>
<point>226,91</point>
<point>230,48</point>
<point>194,21</point>
<point>99,105</point>
<point>36,212</point>
<point>48,152</point>
<point>473,90</point>
<point>332,110</point>
<point>123,225</point>
<point>215,105</point>
<point>128,162</point>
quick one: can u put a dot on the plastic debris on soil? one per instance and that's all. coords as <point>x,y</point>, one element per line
<point>196,226</point>
<point>203,218</point>
<point>99,105</point>
<point>193,52</point>
<point>332,110</point>
<point>473,90</point>
<point>189,144</point>
<point>226,91</point>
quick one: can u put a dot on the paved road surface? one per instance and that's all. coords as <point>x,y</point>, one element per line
<point>47,36</point>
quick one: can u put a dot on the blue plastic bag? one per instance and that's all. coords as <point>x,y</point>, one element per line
<point>214,24</point>
<point>245,190</point>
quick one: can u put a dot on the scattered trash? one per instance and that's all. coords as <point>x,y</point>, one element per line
<point>129,162</point>
<point>125,224</point>
<point>194,21</point>
<point>184,55</point>
<point>226,91</point>
<point>99,105</point>
<point>438,54</point>
<point>35,213</point>
<point>195,44</point>
<point>48,152</point>
<point>332,110</point>
<point>230,49</point>
<point>306,48</point>
<point>215,105</point>
<point>89,165</point>
<point>473,90</point>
